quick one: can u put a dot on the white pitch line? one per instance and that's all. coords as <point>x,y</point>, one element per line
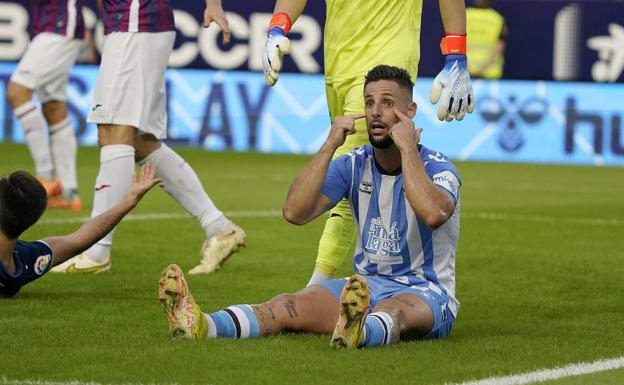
<point>545,219</point>
<point>160,216</point>
<point>551,374</point>
<point>517,379</point>
<point>277,213</point>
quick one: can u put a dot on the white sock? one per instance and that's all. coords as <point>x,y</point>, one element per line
<point>63,145</point>
<point>112,184</point>
<point>181,182</point>
<point>318,278</point>
<point>36,135</point>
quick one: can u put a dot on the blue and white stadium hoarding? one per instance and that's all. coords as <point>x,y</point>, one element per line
<point>515,121</point>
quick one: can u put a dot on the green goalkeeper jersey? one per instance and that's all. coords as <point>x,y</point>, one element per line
<point>360,34</point>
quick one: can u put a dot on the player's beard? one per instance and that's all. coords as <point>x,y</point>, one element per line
<point>382,143</point>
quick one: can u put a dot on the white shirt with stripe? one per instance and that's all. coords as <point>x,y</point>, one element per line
<point>392,241</point>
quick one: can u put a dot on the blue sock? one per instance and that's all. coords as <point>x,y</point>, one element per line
<point>378,329</point>
<point>237,321</point>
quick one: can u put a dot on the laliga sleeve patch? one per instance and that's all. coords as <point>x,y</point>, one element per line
<point>448,180</point>
<point>42,263</point>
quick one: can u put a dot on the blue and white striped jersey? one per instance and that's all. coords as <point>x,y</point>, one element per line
<point>392,240</point>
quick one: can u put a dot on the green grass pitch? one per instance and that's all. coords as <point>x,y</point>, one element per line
<point>540,275</point>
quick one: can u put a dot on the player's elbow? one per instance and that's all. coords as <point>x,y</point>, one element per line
<point>293,216</point>
<point>436,218</point>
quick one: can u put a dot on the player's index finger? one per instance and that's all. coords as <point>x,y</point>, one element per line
<point>358,116</point>
<point>401,115</point>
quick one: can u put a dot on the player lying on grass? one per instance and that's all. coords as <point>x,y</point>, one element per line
<point>23,200</point>
<point>405,201</point>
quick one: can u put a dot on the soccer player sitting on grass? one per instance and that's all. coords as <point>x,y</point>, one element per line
<point>23,200</point>
<point>405,201</point>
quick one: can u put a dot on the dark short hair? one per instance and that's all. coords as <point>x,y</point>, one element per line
<point>22,202</point>
<point>387,72</point>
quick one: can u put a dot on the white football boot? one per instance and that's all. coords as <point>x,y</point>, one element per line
<point>81,264</point>
<point>216,250</point>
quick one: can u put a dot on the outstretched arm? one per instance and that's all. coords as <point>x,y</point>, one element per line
<point>66,247</point>
<point>305,201</point>
<point>434,205</point>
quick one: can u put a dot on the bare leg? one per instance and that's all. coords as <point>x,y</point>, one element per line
<point>54,111</point>
<point>313,309</point>
<point>411,315</point>
<point>17,94</point>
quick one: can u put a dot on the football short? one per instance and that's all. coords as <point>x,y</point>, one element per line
<point>130,88</point>
<point>383,288</point>
<point>44,67</point>
<point>347,98</point>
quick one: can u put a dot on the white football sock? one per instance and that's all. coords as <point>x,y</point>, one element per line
<point>112,184</point>
<point>36,135</point>
<point>180,181</point>
<point>63,144</point>
<point>318,278</point>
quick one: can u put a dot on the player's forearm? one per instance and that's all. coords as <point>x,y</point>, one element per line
<point>294,8</point>
<point>428,201</point>
<point>300,207</point>
<point>98,227</point>
<point>453,14</point>
<point>95,229</point>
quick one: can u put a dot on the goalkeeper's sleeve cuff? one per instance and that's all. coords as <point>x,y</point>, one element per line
<point>281,20</point>
<point>453,44</point>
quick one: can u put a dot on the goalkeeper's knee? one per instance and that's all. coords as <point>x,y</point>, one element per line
<point>335,243</point>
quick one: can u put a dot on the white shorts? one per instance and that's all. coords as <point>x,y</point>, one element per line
<point>130,88</point>
<point>44,67</point>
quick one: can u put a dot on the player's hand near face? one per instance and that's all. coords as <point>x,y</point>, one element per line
<point>403,133</point>
<point>305,200</point>
<point>342,126</point>
<point>214,12</point>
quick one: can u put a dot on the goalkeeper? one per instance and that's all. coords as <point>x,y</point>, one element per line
<point>360,34</point>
